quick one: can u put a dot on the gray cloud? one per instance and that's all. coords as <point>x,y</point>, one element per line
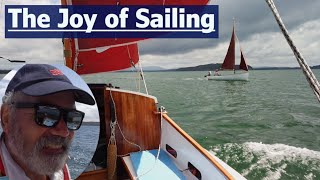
<point>251,17</point>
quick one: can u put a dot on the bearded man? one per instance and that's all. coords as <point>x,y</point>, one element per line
<point>38,118</point>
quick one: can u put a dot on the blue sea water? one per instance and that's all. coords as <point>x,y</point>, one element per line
<point>82,149</point>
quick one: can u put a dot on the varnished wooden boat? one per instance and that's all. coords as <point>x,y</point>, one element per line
<point>144,142</point>
<point>142,123</point>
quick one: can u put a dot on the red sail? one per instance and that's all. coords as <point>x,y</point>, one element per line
<point>112,59</point>
<point>102,42</point>
<point>139,2</point>
<point>229,60</point>
<point>81,54</point>
<point>243,64</point>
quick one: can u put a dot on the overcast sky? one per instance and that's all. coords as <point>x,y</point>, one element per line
<point>259,35</point>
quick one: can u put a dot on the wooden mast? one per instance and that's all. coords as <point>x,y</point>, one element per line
<point>67,50</point>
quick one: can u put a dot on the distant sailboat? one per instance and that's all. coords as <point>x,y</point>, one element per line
<point>228,70</point>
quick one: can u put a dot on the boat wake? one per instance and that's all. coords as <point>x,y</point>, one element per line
<point>270,161</point>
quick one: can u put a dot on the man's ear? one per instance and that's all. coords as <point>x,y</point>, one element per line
<point>5,116</point>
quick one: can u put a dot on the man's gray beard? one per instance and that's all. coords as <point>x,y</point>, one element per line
<point>35,160</point>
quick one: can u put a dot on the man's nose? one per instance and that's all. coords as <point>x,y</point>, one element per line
<point>61,129</point>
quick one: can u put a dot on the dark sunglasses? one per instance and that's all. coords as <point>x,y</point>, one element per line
<point>49,115</point>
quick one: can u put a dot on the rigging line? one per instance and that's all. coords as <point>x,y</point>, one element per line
<point>313,82</point>
<point>112,145</point>
<point>116,123</point>
<point>143,78</point>
<point>140,73</point>
<point>162,109</point>
<point>137,84</point>
<point>136,80</point>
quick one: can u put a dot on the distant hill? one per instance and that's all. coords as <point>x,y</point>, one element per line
<point>316,67</point>
<point>211,67</point>
<point>153,68</point>
<point>205,67</point>
<point>284,68</point>
<point>4,71</point>
<point>275,68</point>
<point>146,69</point>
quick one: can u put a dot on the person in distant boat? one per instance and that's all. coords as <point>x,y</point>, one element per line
<point>38,118</point>
<point>216,73</point>
<point>209,74</point>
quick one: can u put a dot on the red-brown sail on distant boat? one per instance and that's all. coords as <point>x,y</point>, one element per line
<point>226,73</point>
<point>243,64</point>
<point>229,60</point>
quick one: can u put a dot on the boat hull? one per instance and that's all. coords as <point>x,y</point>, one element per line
<point>141,123</point>
<point>243,76</point>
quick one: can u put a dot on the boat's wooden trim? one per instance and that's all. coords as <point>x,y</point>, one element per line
<point>96,174</point>
<point>136,119</point>
<point>198,147</point>
<point>134,92</point>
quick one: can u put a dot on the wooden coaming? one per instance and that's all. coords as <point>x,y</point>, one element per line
<point>97,174</point>
<point>136,118</point>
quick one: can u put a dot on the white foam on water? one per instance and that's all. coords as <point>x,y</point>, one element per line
<point>272,154</point>
<point>188,79</point>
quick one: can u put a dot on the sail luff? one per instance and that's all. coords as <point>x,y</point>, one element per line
<point>243,64</point>
<point>229,60</point>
